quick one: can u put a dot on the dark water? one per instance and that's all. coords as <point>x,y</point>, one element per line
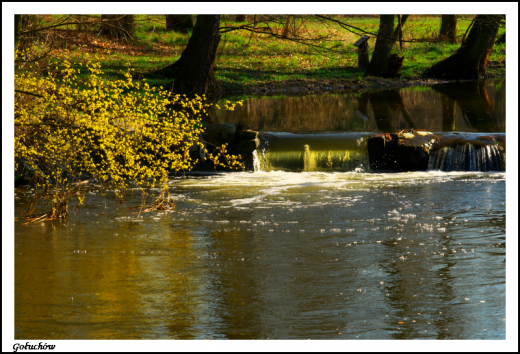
<point>276,255</point>
<point>466,106</point>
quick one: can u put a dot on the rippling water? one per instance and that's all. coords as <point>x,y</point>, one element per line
<point>274,255</point>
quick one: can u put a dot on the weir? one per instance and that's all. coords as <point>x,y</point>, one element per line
<point>344,152</point>
<point>311,152</point>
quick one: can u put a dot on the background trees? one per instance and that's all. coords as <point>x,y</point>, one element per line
<point>382,63</point>
<point>448,31</point>
<point>470,61</point>
<point>118,26</point>
<point>180,23</point>
<point>17,30</point>
<point>290,45</point>
<point>193,71</point>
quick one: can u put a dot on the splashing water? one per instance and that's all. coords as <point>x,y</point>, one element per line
<point>467,157</point>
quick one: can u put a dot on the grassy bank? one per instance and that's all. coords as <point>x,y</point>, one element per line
<point>260,62</point>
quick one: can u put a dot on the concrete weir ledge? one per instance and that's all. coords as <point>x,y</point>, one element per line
<point>411,150</point>
<point>406,150</point>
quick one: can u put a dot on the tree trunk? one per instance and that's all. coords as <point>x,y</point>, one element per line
<point>81,26</point>
<point>179,23</point>
<point>382,63</point>
<point>286,27</point>
<point>193,72</point>
<point>448,32</point>
<point>118,26</point>
<point>470,60</point>
<point>240,18</point>
<point>27,23</point>
<point>17,30</point>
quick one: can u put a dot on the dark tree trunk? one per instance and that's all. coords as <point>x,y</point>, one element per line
<point>470,60</point>
<point>30,24</point>
<point>118,26</point>
<point>193,72</point>
<point>179,23</point>
<point>240,18</point>
<point>448,32</point>
<point>379,63</point>
<point>17,30</point>
<point>81,26</point>
<point>382,63</point>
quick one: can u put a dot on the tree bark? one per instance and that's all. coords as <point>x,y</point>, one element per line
<point>382,63</point>
<point>179,23</point>
<point>26,23</point>
<point>17,30</point>
<point>288,26</point>
<point>81,26</point>
<point>193,72</point>
<point>448,32</point>
<point>470,60</point>
<point>118,26</point>
<point>240,18</point>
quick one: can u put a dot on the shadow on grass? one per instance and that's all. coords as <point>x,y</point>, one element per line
<point>240,75</point>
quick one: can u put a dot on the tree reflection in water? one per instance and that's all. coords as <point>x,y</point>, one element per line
<point>473,100</point>
<point>386,106</point>
<point>433,108</point>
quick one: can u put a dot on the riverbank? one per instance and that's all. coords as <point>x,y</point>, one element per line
<point>264,63</point>
<point>331,85</point>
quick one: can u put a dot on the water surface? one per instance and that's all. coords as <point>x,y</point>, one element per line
<point>464,106</point>
<point>276,255</point>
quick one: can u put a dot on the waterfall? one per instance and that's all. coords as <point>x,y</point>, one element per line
<point>256,162</point>
<point>467,157</point>
<point>312,152</point>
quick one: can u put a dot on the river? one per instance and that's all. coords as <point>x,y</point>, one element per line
<point>274,254</point>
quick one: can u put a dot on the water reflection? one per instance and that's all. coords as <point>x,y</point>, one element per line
<point>274,255</point>
<point>475,104</point>
<point>386,105</point>
<point>449,111</point>
<point>470,106</point>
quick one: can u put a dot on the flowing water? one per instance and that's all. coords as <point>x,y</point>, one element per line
<point>311,245</point>
<point>274,255</point>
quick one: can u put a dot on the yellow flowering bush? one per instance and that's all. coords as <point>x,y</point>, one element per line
<point>116,131</point>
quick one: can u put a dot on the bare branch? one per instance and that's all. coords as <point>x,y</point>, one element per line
<point>28,93</point>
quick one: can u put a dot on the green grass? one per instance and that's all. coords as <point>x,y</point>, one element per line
<point>249,62</point>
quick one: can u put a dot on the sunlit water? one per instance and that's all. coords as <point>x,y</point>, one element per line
<point>273,255</point>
